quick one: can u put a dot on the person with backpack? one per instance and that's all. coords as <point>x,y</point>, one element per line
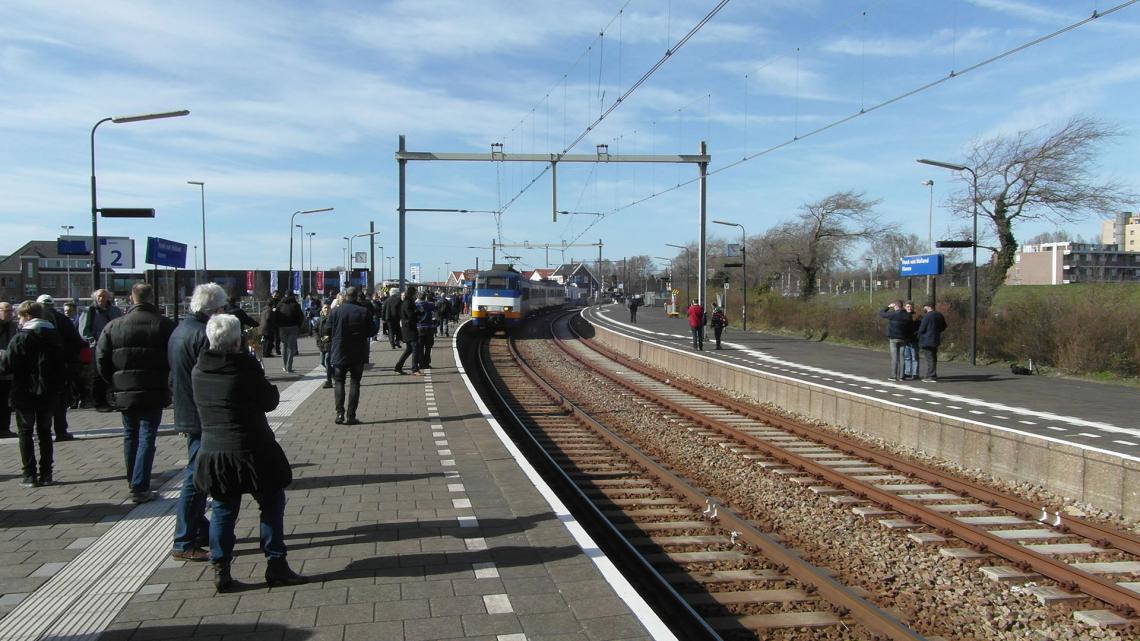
<point>34,359</point>
<point>719,322</point>
<point>443,311</point>
<point>425,327</point>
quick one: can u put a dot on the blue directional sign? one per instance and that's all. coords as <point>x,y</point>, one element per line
<point>160,251</point>
<point>73,245</point>
<point>925,265</point>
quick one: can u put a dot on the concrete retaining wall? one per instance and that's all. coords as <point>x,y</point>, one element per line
<point>1102,480</point>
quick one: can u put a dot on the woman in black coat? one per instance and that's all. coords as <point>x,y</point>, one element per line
<point>239,454</point>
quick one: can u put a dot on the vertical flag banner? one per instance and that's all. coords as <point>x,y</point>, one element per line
<point>364,278</point>
<point>343,281</point>
<point>273,285</point>
<point>414,268</point>
<point>249,282</point>
<point>295,282</point>
<point>320,282</point>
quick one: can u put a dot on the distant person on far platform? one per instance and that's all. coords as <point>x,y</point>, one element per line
<point>634,303</point>
<point>696,315</point>
<point>102,311</point>
<point>900,326</point>
<point>131,356</point>
<point>910,349</point>
<point>718,322</point>
<point>930,330</point>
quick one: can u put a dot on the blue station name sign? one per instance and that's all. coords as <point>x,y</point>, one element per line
<point>169,253</point>
<point>924,265</point>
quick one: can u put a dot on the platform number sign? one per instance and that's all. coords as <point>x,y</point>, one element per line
<point>117,252</point>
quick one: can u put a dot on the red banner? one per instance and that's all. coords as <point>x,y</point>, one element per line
<point>249,282</point>
<point>320,282</point>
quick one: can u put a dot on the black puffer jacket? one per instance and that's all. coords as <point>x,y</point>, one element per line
<point>34,360</point>
<point>131,356</point>
<point>8,330</point>
<point>186,343</point>
<point>289,313</point>
<point>239,453</point>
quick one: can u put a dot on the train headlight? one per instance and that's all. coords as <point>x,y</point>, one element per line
<point>507,308</point>
<point>482,308</point>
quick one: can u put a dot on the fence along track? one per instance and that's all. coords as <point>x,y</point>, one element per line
<point>725,416</point>
<point>673,525</point>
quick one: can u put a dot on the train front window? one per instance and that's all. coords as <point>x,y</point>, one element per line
<point>497,282</point>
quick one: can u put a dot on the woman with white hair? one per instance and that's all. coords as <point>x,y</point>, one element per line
<point>239,454</point>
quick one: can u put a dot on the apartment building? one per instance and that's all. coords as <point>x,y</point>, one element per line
<point>1067,262</point>
<point>1123,231</point>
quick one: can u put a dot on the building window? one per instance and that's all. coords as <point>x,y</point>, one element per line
<point>31,271</point>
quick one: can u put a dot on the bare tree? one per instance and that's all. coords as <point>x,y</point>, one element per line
<point>1029,177</point>
<point>890,247</point>
<point>820,235</point>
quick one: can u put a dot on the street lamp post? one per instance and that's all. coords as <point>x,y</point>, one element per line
<point>974,247</point>
<point>871,282</point>
<point>688,299</point>
<point>67,231</point>
<point>309,285</point>
<point>369,234</point>
<point>94,202</point>
<point>292,222</point>
<point>930,228</point>
<point>205,267</point>
<point>301,282</point>
<point>381,248</point>
<point>743,268</point>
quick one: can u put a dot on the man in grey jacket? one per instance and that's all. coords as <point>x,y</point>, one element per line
<point>186,343</point>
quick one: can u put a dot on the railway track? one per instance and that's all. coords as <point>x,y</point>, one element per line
<point>730,579</point>
<point>967,520</point>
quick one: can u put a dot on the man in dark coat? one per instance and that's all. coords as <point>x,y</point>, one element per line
<point>392,315</point>
<point>269,335</point>
<point>72,344</point>
<point>34,360</point>
<point>233,308</point>
<point>8,329</point>
<point>131,356</point>
<point>186,343</point>
<point>930,330</point>
<point>349,327</point>
<point>409,318</point>
<point>900,328</point>
<point>290,318</point>
<point>91,324</point>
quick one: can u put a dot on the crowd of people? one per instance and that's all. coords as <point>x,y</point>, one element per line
<point>141,362</point>
<point>909,335</point>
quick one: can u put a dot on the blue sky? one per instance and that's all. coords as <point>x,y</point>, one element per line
<point>298,105</point>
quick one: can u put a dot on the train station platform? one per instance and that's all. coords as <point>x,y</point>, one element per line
<point>420,523</point>
<point>1081,438</point>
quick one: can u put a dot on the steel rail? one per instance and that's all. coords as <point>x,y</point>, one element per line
<point>1120,598</point>
<point>692,618</point>
<point>866,613</point>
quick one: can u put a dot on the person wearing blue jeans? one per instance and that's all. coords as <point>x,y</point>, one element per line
<point>187,343</point>
<point>140,433</point>
<point>131,356</point>
<point>239,453</point>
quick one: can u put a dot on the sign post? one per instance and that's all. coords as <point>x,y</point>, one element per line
<point>922,265</point>
<point>169,253</point>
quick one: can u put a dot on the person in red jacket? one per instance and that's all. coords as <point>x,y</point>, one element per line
<point>697,324</point>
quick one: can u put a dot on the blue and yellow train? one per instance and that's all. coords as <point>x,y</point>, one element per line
<point>503,298</point>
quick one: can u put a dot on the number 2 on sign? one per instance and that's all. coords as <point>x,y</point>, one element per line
<point>117,261</point>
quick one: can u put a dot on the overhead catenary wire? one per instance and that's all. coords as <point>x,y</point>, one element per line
<point>866,110</point>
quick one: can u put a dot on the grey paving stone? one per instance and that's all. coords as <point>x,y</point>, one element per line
<point>448,606</point>
<point>374,593</point>
<point>426,589</point>
<point>491,624</point>
<point>291,618</point>
<point>413,609</point>
<point>612,628</point>
<point>329,595</point>
<point>343,614</point>
<point>264,602</point>
<point>385,630</point>
<point>538,603</point>
<point>435,628</point>
<point>213,606</point>
<point>550,623</point>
